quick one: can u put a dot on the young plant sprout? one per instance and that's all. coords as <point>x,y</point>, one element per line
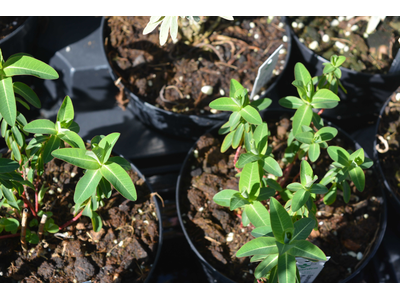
<point>170,24</point>
<point>25,165</point>
<point>280,233</point>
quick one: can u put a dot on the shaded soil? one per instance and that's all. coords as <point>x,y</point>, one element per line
<point>389,149</point>
<point>368,54</point>
<point>9,24</point>
<point>122,251</point>
<point>171,77</point>
<point>343,230</point>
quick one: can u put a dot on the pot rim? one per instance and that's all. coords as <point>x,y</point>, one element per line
<point>378,234</point>
<point>19,29</point>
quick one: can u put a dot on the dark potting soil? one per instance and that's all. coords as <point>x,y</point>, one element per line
<point>9,24</point>
<point>122,251</point>
<point>171,76</point>
<point>343,230</point>
<point>388,143</point>
<point>373,53</point>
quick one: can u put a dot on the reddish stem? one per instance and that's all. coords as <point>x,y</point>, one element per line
<point>286,172</point>
<point>236,158</point>
<point>321,111</point>
<point>71,221</point>
<point>29,205</point>
<point>10,236</point>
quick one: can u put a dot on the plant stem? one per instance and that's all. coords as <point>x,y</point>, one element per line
<point>10,236</point>
<point>28,204</point>
<point>286,172</point>
<point>71,221</point>
<point>236,158</point>
<point>41,226</point>
<point>320,111</point>
<point>23,229</point>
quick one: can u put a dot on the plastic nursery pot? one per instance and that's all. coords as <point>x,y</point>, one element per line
<point>21,39</point>
<point>186,126</point>
<point>196,230</point>
<point>365,92</point>
<point>386,148</point>
<point>95,263</point>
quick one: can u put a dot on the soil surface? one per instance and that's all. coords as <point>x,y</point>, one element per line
<point>122,251</point>
<point>171,76</point>
<point>373,53</point>
<point>343,230</point>
<point>9,24</point>
<point>388,143</point>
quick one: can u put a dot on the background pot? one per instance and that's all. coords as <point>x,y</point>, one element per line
<point>175,124</point>
<point>365,92</point>
<point>215,275</point>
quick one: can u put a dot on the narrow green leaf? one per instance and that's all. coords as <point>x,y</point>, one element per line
<point>346,191</point>
<point>286,268</point>
<point>234,120</point>
<point>258,214</point>
<point>18,136</point>
<point>265,266</point>
<point>339,155</point>
<point>52,144</point>
<point>27,93</point>
<point>299,199</point>
<point>237,137</point>
<point>66,111</point>
<point>224,197</point>
<point>295,186</point>
<point>107,143</point>
<point>234,87</point>
<point>121,181</point>
<point>250,179</point>
<point>303,228</point>
<point>305,137</point>
<point>302,116</point>
<point>301,73</point>
<point>251,115</point>
<point>274,184</point>
<point>16,151</point>
<point>324,98</point>
<point>261,138</point>
<point>42,126</point>
<point>306,172</point>
<point>307,250</point>
<point>330,197</point>
<point>8,106</point>
<point>26,65</point>
<point>225,104</point>
<point>96,222</point>
<point>227,142</point>
<point>327,133</point>
<point>313,152</point>
<point>72,139</point>
<point>77,157</point>
<point>261,245</point>
<point>265,193</point>
<point>246,158</point>
<point>237,201</point>
<point>261,104</point>
<point>358,177</point>
<point>291,102</point>
<point>9,195</point>
<point>262,231</point>
<point>87,185</point>
<point>271,166</point>
<point>318,188</point>
<point>8,165</point>
<point>280,220</point>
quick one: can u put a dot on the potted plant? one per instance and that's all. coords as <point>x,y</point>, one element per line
<point>371,71</point>
<point>264,199</point>
<point>169,87</point>
<point>48,182</point>
<point>386,147</point>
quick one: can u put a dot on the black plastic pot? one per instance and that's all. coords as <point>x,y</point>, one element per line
<point>21,39</point>
<point>171,123</point>
<point>215,275</point>
<point>365,92</point>
<point>392,197</point>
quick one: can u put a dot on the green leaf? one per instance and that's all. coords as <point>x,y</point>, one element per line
<point>246,158</point>
<point>27,93</point>
<point>265,193</point>
<point>302,116</point>
<point>262,231</point>
<point>87,185</point>
<point>11,200</point>
<point>367,163</point>
<point>339,155</point>
<point>237,201</point>
<point>26,65</point>
<point>330,197</point>
<point>307,250</point>
<point>265,266</point>
<point>52,144</point>
<point>291,102</point>
<point>273,184</point>
<point>234,87</point>
<point>317,188</point>
<point>8,165</point>
<point>313,152</point>
<point>324,98</point>
<point>224,197</point>
<point>261,138</point>
<point>271,166</point>
<point>295,186</point>
<point>66,111</point>
<point>237,137</point>
<point>358,177</point>
<point>234,120</point>
<point>225,104</point>
<point>78,157</point>
<point>72,139</point>
<point>261,104</point>
<point>121,181</point>
<point>250,179</point>
<point>280,220</point>
<point>261,245</point>
<point>16,151</point>
<point>96,222</point>
<point>286,268</point>
<point>107,143</point>
<point>8,106</point>
<point>326,133</point>
<point>301,74</point>
<point>346,191</point>
<point>306,172</point>
<point>357,156</point>
<point>11,225</point>
<point>303,228</point>
<point>42,126</point>
<point>258,214</point>
<point>305,137</point>
<point>251,115</point>
<point>299,199</point>
<point>227,142</point>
